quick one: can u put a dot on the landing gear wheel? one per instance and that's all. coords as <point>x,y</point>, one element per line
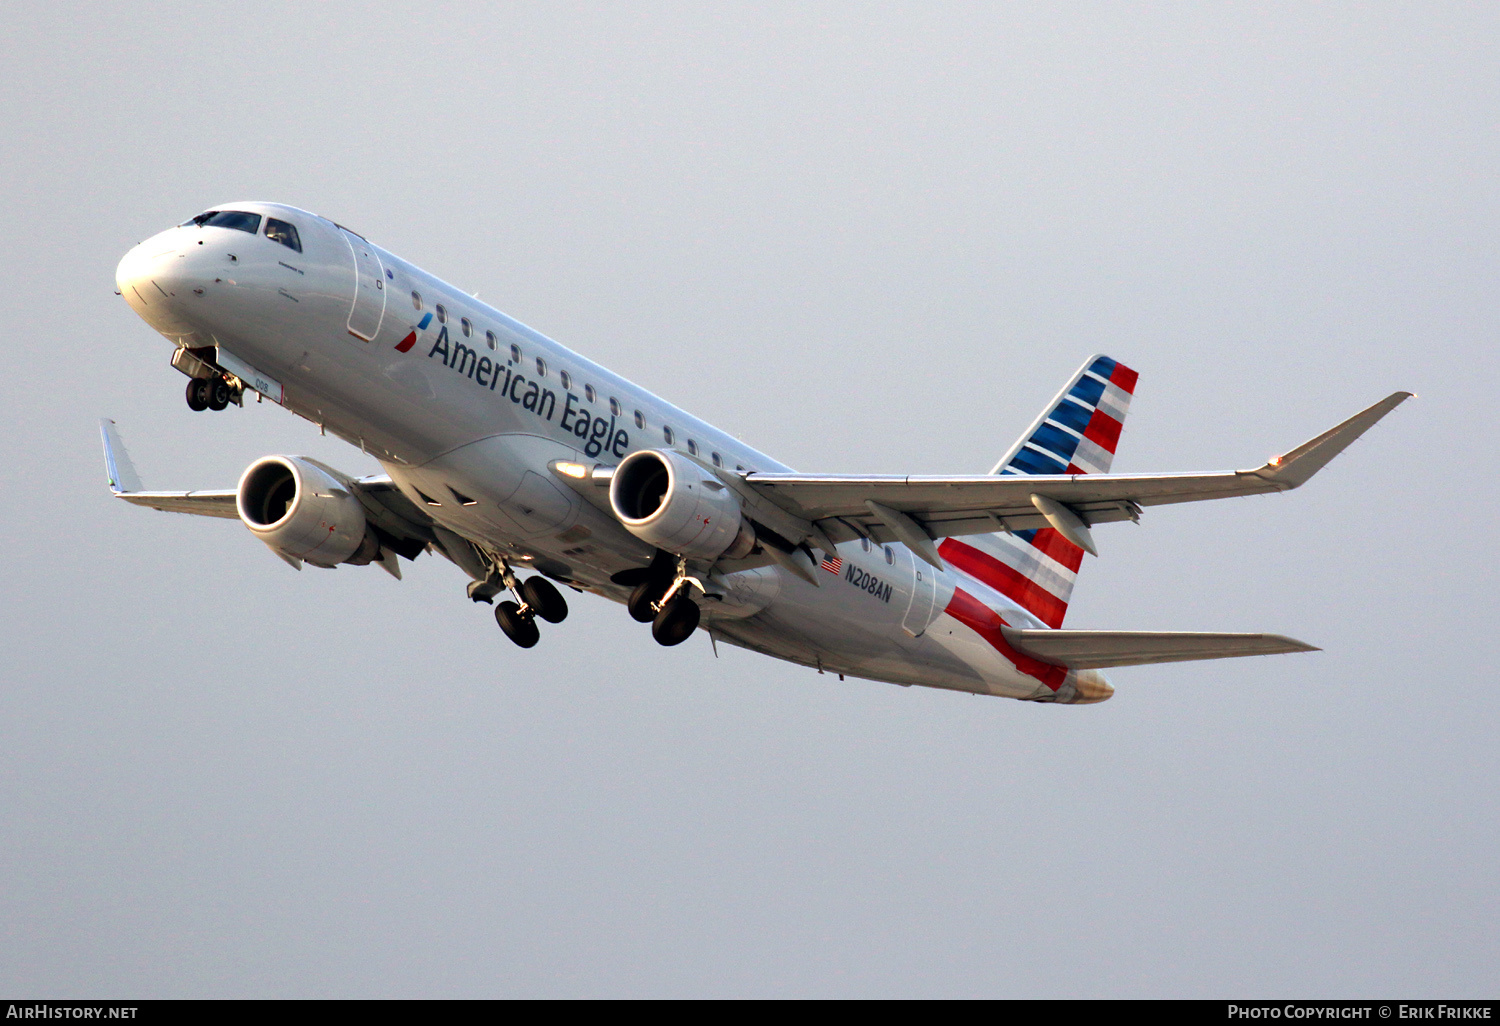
<point>217,393</point>
<point>545,599</point>
<point>645,595</point>
<point>520,629</point>
<point>676,622</point>
<point>197,394</point>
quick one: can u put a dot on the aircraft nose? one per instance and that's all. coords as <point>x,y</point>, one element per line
<point>150,260</point>
<point>151,276</point>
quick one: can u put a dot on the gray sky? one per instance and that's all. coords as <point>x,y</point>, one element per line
<point>865,238</point>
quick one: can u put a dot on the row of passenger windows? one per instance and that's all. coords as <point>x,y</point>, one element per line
<point>590,393</point>
<point>243,221</point>
<point>890,554</point>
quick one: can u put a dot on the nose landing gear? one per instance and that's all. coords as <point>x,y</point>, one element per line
<point>212,393</point>
<point>197,394</point>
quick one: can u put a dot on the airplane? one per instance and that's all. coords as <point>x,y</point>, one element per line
<point>528,466</point>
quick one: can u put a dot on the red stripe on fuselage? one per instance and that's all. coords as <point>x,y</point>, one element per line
<point>985,622</point>
<point>1008,581</point>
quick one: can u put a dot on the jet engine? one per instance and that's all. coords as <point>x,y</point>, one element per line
<point>667,500</point>
<point>301,510</point>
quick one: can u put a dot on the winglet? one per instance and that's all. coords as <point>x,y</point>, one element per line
<point>1310,457</point>
<point>122,475</point>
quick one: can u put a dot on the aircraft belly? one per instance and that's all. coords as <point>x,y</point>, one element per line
<point>852,624</point>
<point>513,509</point>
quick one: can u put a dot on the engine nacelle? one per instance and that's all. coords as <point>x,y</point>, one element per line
<point>667,500</point>
<point>301,510</point>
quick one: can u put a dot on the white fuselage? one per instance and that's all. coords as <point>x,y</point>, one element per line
<point>467,410</point>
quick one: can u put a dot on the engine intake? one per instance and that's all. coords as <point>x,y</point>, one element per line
<point>300,509</point>
<point>667,500</point>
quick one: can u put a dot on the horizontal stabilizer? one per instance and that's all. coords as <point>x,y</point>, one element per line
<point>1097,650</point>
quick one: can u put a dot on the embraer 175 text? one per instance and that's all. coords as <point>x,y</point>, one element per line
<point>525,464</point>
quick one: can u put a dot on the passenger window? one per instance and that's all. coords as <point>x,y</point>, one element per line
<point>515,353</point>
<point>692,447</point>
<point>442,314</point>
<point>740,467</point>
<point>640,420</point>
<point>890,556</point>
<point>615,407</point>
<point>717,461</point>
<point>286,234</point>
<point>467,326</point>
<point>567,380</point>
<point>666,433</point>
<point>490,339</point>
<point>541,367</point>
<point>864,544</point>
<point>590,394</point>
<point>236,219</point>
<point>416,300</point>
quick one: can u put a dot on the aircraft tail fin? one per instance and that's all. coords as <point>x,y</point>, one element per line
<point>1078,431</point>
<point>1076,434</point>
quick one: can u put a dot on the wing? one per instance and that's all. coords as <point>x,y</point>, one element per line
<point>125,483</point>
<point>405,528</point>
<point>914,510</point>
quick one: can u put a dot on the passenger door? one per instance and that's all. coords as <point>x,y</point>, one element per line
<point>369,288</point>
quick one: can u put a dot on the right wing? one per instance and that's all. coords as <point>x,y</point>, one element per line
<point>125,483</point>
<point>408,530</point>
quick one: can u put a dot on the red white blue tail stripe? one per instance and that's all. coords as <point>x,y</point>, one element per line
<point>1077,435</point>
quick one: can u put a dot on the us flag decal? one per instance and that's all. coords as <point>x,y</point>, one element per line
<point>833,564</point>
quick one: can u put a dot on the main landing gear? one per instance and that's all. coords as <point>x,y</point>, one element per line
<point>662,600</point>
<point>539,598</point>
<point>209,394</point>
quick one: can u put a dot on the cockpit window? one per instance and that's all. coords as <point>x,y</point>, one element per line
<point>286,234</point>
<point>237,219</point>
